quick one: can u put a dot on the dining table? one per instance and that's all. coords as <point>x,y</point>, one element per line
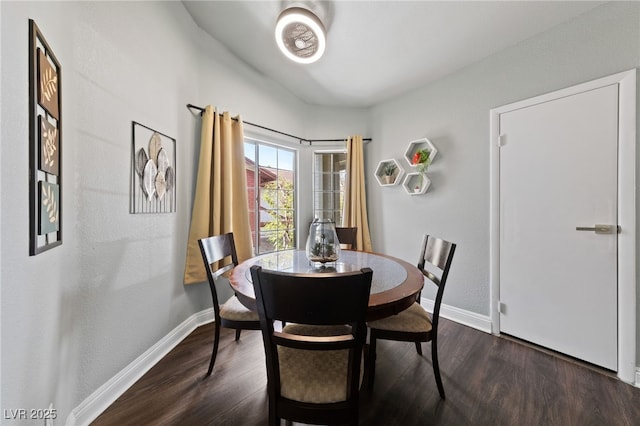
<point>394,287</point>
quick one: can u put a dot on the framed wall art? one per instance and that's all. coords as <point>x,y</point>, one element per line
<point>45,145</point>
<point>153,171</point>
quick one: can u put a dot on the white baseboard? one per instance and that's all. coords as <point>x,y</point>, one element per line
<point>106,394</point>
<point>461,316</point>
<point>638,377</point>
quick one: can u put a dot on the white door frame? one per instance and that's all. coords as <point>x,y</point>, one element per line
<point>626,210</point>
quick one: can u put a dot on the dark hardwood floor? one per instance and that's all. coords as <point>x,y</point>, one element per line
<point>489,380</point>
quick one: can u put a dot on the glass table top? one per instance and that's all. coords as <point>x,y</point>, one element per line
<point>387,273</point>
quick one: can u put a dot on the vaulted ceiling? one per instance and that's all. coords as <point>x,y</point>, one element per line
<point>379,49</point>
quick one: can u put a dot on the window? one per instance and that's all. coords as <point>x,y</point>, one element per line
<point>329,174</point>
<point>271,181</point>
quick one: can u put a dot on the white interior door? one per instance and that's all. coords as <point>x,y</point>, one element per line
<point>558,171</point>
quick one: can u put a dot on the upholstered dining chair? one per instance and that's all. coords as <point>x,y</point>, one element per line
<point>314,363</point>
<point>414,324</point>
<point>232,314</point>
<point>347,236</point>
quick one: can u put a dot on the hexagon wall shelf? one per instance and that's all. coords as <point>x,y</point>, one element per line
<point>413,185</point>
<point>414,146</point>
<point>395,178</point>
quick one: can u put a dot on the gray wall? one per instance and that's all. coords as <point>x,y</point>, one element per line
<point>453,113</point>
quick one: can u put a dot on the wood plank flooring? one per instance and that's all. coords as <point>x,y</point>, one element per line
<point>489,380</point>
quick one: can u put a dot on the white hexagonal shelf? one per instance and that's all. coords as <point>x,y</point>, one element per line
<point>416,183</point>
<point>414,146</point>
<point>389,172</point>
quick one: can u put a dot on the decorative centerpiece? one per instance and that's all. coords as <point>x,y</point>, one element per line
<point>322,243</point>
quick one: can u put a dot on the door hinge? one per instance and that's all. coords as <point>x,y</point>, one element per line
<point>502,308</point>
<point>501,140</point>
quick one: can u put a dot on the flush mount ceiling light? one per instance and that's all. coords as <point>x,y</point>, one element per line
<point>300,35</point>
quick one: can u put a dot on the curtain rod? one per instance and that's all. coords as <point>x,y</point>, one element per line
<point>301,140</point>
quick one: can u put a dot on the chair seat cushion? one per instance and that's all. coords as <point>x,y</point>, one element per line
<point>414,319</point>
<point>313,376</point>
<point>236,311</point>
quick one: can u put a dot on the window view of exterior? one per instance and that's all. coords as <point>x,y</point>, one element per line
<point>271,187</point>
<point>329,174</point>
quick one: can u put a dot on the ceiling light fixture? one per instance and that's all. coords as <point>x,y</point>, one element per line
<point>300,35</point>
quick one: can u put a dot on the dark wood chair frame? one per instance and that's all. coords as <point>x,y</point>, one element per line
<point>315,300</point>
<point>438,253</point>
<point>214,250</point>
<point>347,236</point>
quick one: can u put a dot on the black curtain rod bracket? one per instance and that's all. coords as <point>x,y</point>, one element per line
<point>200,109</point>
<point>300,140</point>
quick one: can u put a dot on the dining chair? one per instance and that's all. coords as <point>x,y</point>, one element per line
<point>414,324</point>
<point>347,236</point>
<point>232,314</point>
<point>314,363</point>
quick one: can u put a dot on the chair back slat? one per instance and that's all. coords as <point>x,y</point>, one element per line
<point>347,236</point>
<point>306,299</point>
<point>436,258</point>
<point>436,252</point>
<point>215,250</point>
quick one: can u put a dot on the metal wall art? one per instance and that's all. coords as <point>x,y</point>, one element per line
<point>45,145</point>
<point>153,171</point>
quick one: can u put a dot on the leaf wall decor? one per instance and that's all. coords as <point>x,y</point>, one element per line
<point>163,161</point>
<point>155,145</point>
<point>170,178</point>
<point>141,161</point>
<point>149,178</point>
<point>49,207</point>
<point>45,144</point>
<point>161,186</point>
<point>47,85</point>
<point>153,174</point>
<point>48,149</point>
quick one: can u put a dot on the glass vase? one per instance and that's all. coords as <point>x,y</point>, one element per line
<point>322,243</point>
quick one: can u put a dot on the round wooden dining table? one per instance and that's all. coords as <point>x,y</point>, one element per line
<point>394,286</point>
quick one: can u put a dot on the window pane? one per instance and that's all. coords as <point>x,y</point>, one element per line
<point>250,151</point>
<point>265,243</point>
<point>328,185</point>
<point>269,220</point>
<point>268,156</point>
<point>285,160</point>
<point>275,187</point>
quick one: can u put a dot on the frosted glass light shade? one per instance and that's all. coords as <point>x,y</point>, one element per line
<point>300,35</point>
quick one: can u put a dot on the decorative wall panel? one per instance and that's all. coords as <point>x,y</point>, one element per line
<point>153,171</point>
<point>45,145</point>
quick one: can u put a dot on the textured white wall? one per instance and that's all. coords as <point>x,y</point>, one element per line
<point>74,316</point>
<point>454,113</point>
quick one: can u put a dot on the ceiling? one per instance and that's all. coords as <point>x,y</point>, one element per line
<point>379,49</point>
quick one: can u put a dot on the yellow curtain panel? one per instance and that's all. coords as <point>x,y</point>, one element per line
<point>220,204</point>
<point>355,197</point>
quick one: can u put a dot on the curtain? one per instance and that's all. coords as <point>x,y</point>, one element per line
<point>220,204</point>
<point>355,197</point>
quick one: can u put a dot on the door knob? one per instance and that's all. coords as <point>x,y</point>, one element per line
<point>601,229</point>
